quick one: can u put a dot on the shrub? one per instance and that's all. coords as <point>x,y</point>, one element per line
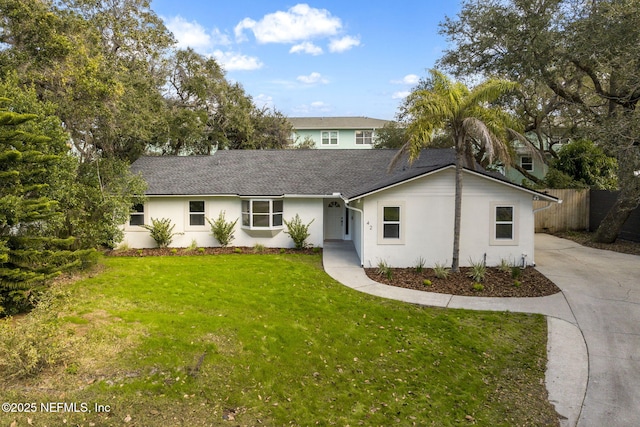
<point>384,270</point>
<point>237,250</point>
<point>193,246</point>
<point>478,270</point>
<point>161,231</point>
<point>427,282</point>
<point>174,251</point>
<point>258,248</point>
<point>283,251</point>
<point>516,272</point>
<point>441,270</point>
<point>298,231</point>
<point>222,230</point>
<point>478,287</point>
<point>517,283</point>
<point>31,344</point>
<point>420,262</point>
<point>505,266</point>
<point>201,250</point>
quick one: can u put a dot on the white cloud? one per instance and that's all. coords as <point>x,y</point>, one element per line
<point>306,47</point>
<point>400,95</point>
<point>194,35</point>
<point>316,107</point>
<point>409,79</point>
<point>301,22</point>
<point>343,44</point>
<point>313,78</point>
<point>188,34</point>
<point>231,61</point>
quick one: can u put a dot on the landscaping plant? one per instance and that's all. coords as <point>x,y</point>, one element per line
<point>222,230</point>
<point>161,231</point>
<point>298,231</point>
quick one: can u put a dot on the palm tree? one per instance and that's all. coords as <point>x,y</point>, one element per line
<point>441,111</point>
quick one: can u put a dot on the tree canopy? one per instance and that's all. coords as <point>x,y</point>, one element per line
<point>578,63</point>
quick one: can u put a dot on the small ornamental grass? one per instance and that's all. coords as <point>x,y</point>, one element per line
<point>478,270</point>
<point>384,269</point>
<point>441,271</point>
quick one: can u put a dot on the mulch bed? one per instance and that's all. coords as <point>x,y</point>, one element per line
<point>496,283</point>
<point>208,251</point>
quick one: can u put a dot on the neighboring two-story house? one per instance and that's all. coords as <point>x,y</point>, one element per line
<point>336,132</point>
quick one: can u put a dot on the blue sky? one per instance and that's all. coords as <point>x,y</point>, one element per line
<point>319,58</point>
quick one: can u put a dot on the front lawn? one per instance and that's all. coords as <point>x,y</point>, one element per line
<point>272,340</point>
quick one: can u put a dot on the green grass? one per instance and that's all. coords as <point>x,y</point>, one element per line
<point>272,340</point>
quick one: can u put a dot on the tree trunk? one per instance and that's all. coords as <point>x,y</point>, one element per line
<point>628,199</point>
<point>613,222</point>
<point>455,264</point>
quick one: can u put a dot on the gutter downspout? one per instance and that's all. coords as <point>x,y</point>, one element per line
<point>346,204</point>
<point>546,207</point>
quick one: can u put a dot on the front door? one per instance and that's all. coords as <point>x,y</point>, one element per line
<point>333,219</point>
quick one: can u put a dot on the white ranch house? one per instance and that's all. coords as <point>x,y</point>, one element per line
<point>395,217</point>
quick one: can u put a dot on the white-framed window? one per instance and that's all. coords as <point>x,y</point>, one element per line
<point>526,162</point>
<point>505,224</point>
<point>196,213</point>
<point>262,213</point>
<point>391,222</point>
<point>136,215</point>
<point>364,137</point>
<point>329,137</point>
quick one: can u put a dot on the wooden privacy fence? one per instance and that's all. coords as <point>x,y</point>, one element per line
<point>571,214</point>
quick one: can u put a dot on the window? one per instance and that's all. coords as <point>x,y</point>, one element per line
<point>504,230</point>
<point>504,222</point>
<point>391,223</point>
<point>262,213</point>
<point>330,137</point>
<point>196,212</point>
<point>136,216</point>
<point>364,137</point>
<point>526,163</point>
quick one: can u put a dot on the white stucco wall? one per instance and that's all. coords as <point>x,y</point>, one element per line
<point>176,208</point>
<point>428,205</point>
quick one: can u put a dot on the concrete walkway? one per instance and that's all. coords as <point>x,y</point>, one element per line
<point>600,299</point>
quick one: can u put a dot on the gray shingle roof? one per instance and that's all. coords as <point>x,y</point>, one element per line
<point>279,172</point>
<point>336,123</point>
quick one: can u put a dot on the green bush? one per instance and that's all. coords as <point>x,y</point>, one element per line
<point>427,282</point>
<point>258,248</point>
<point>298,231</point>
<point>222,230</point>
<point>478,287</point>
<point>161,231</point>
<point>516,272</point>
<point>31,344</point>
<point>420,262</point>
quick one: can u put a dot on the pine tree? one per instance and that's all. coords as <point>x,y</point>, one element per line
<point>30,252</point>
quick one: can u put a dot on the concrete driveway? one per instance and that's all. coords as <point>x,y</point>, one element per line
<point>603,292</point>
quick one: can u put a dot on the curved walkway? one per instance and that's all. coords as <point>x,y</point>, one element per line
<point>593,368</point>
